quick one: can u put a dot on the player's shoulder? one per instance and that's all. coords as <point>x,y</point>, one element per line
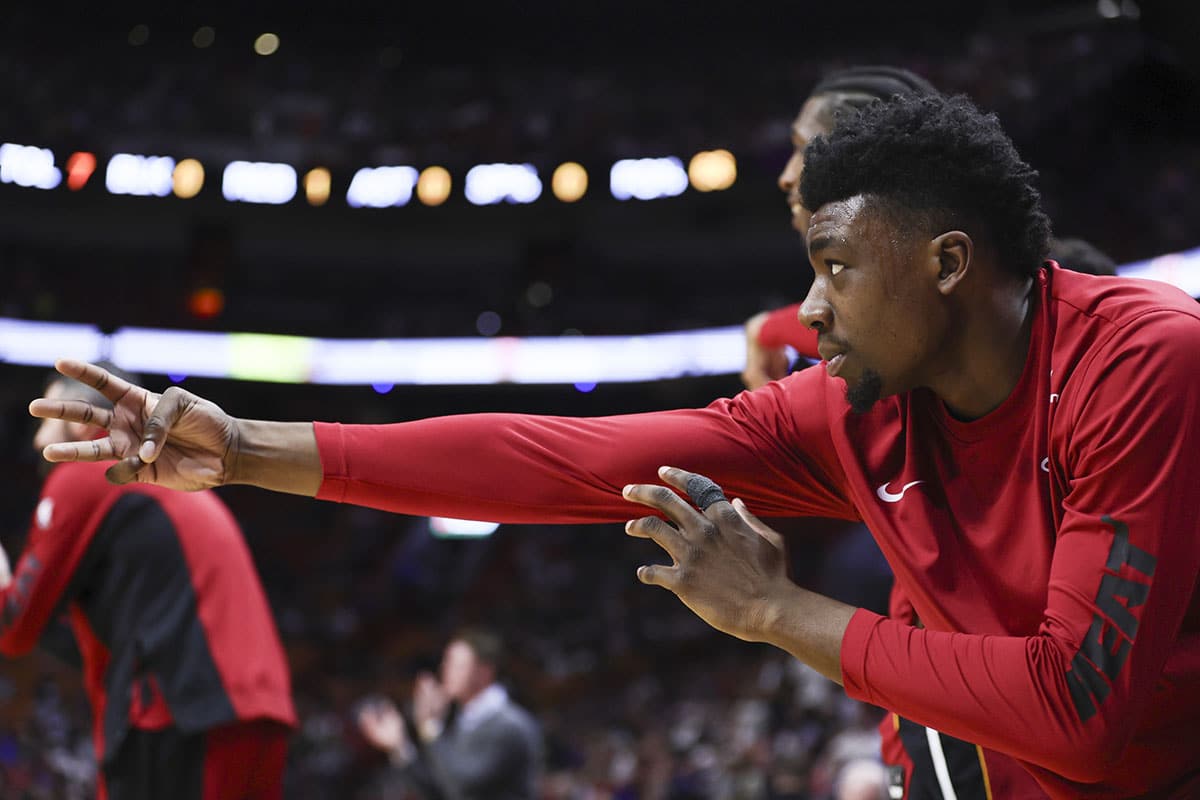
<point>1121,338</point>
<point>1113,303</point>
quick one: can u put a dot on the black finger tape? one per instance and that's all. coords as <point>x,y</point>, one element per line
<point>704,492</point>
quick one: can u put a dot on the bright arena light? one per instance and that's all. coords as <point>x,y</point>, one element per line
<point>569,182</point>
<point>129,173</point>
<point>317,183</point>
<point>188,178</point>
<point>80,167</point>
<point>448,528</point>
<point>433,187</point>
<point>647,178</point>
<point>28,166</point>
<point>258,182</point>
<point>381,187</point>
<point>712,170</point>
<point>266,44</point>
<point>488,184</point>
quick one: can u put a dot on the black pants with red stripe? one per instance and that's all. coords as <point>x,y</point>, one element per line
<point>915,764</point>
<point>242,761</point>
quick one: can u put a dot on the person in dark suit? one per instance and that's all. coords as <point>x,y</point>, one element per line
<point>466,739</point>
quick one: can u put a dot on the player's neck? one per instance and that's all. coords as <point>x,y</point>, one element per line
<point>988,357</point>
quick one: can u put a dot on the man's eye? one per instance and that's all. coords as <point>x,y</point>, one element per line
<point>835,267</point>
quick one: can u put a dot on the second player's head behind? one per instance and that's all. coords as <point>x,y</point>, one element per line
<point>839,93</point>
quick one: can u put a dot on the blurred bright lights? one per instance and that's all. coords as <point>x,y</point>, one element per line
<point>129,173</point>
<point>433,187</point>
<point>28,166</point>
<point>380,187</point>
<point>188,178</point>
<point>712,170</point>
<point>647,178</point>
<point>80,167</point>
<point>270,357</point>
<point>204,37</point>
<point>447,528</point>
<point>566,360</point>
<point>488,184</point>
<point>258,182</point>
<point>266,44</point>
<point>570,182</point>
<point>317,182</point>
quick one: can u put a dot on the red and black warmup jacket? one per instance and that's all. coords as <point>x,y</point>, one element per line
<point>164,601</point>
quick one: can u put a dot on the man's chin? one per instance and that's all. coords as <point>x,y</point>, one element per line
<point>864,393</point>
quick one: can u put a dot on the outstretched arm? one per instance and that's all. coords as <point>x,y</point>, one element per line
<point>502,467</point>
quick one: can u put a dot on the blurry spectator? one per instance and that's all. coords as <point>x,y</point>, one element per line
<point>862,779</point>
<point>468,739</point>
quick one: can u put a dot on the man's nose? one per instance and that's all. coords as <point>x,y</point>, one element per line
<point>815,311</point>
<point>790,177</point>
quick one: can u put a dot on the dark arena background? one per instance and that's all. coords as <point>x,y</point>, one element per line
<point>390,211</point>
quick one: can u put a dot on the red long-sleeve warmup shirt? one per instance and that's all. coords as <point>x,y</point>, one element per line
<point>973,771</point>
<point>164,602</point>
<point>1051,548</point>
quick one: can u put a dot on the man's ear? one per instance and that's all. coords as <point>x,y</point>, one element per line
<point>952,252</point>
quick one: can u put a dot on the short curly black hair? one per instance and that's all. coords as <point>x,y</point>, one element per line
<point>938,163</point>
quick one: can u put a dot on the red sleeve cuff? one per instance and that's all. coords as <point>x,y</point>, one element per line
<point>778,325</point>
<point>855,641</point>
<point>331,447</point>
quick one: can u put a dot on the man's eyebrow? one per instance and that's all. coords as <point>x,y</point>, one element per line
<point>823,241</point>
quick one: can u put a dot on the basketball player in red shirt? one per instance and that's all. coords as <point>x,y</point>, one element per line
<point>1022,441</point>
<point>183,667</point>
<point>921,762</point>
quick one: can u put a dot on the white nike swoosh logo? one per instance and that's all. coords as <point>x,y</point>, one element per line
<point>888,497</point>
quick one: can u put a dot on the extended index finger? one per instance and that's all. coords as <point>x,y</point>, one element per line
<point>100,379</point>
